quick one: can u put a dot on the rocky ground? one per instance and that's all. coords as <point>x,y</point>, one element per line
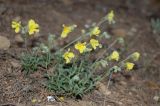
<point>132,22</point>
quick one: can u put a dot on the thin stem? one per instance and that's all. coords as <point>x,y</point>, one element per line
<point>25,42</point>
<point>86,34</point>
<point>109,80</point>
<point>111,45</point>
<point>74,41</point>
<point>121,63</point>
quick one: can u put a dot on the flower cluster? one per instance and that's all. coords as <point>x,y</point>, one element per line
<point>95,43</point>
<point>31,28</point>
<point>82,47</point>
<point>128,65</point>
<point>135,57</point>
<point>110,17</point>
<point>67,30</point>
<point>95,31</point>
<point>68,56</point>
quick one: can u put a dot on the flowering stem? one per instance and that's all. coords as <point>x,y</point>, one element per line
<point>111,45</point>
<point>74,41</point>
<point>121,63</point>
<point>86,34</point>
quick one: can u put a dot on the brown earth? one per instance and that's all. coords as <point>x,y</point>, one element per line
<point>132,20</point>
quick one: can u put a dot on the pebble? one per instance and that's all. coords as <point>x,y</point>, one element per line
<point>119,32</point>
<point>19,39</point>
<point>51,98</point>
<point>15,63</point>
<point>4,43</point>
<point>156,98</point>
<point>103,89</point>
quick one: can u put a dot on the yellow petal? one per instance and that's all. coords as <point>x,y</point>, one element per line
<point>95,43</point>
<point>114,56</point>
<point>16,26</point>
<point>17,30</point>
<point>61,98</point>
<point>80,47</point>
<point>129,66</point>
<point>136,56</point>
<point>68,56</point>
<point>33,27</point>
<point>67,30</point>
<point>95,31</point>
<point>110,17</point>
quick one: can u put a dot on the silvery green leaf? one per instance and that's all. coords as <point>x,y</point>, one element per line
<point>106,35</point>
<point>155,23</point>
<point>51,37</point>
<point>93,24</point>
<point>104,63</point>
<point>76,78</point>
<point>44,48</point>
<point>121,40</point>
<point>115,69</point>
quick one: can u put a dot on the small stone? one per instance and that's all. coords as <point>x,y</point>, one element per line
<point>120,103</point>
<point>133,29</point>
<point>103,89</point>
<point>156,98</point>
<point>15,63</point>
<point>119,32</point>
<point>39,100</point>
<point>130,93</point>
<point>51,98</point>
<point>19,39</point>
<point>4,43</point>
<point>123,83</point>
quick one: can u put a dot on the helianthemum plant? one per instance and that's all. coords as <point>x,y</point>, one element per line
<point>74,69</point>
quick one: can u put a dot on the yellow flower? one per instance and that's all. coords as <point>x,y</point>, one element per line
<point>81,47</point>
<point>33,27</point>
<point>114,56</point>
<point>67,30</point>
<point>34,100</point>
<point>68,56</point>
<point>95,43</point>
<point>110,17</point>
<point>129,65</point>
<point>95,31</point>
<point>61,98</point>
<point>136,56</point>
<point>16,25</point>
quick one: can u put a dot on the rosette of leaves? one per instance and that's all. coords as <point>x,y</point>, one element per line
<point>31,61</point>
<point>40,56</point>
<point>72,80</point>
